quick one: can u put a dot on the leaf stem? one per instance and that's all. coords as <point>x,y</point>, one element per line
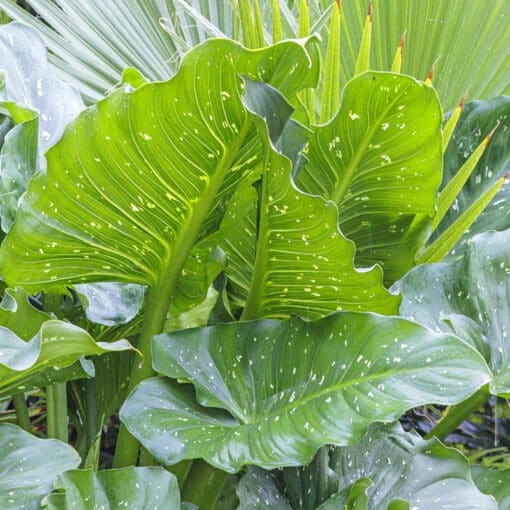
<point>56,411</point>
<point>20,405</point>
<point>203,485</point>
<point>459,413</point>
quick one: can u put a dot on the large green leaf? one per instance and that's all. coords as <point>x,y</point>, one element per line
<point>40,106</point>
<point>477,119</point>
<point>286,254</point>
<point>403,466</point>
<point>478,287</point>
<point>147,488</point>
<point>494,482</point>
<point>29,466</point>
<point>140,178</point>
<point>291,387</point>
<point>380,161</point>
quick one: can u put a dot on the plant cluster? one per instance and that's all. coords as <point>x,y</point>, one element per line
<point>222,227</point>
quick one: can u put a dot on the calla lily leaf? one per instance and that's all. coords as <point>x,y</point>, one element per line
<point>476,287</point>
<point>29,466</point>
<point>271,393</point>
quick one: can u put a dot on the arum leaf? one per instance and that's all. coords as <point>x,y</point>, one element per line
<point>137,198</point>
<point>495,482</point>
<point>145,488</point>
<point>29,466</point>
<point>476,286</point>
<point>111,303</point>
<point>258,490</point>
<point>403,466</point>
<point>285,253</point>
<point>57,345</point>
<point>292,386</point>
<point>39,104</point>
<point>379,160</point>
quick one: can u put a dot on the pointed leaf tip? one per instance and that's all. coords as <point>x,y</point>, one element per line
<point>428,80</point>
<point>338,4</point>
<point>463,100</point>
<point>369,10</point>
<point>489,136</point>
<point>402,41</point>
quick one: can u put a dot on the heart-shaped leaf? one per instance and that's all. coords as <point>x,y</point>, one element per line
<point>147,488</point>
<point>425,474</point>
<point>131,199</point>
<point>380,161</point>
<point>29,466</point>
<point>478,287</point>
<point>292,386</point>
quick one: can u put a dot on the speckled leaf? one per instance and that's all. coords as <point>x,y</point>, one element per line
<point>297,260</point>
<point>56,345</point>
<point>403,466</point>
<point>380,160</point>
<point>495,482</point>
<point>29,466</point>
<point>478,287</point>
<point>477,119</point>
<point>145,488</point>
<point>136,185</point>
<point>111,303</point>
<point>292,386</point>
<point>40,106</point>
<point>258,490</point>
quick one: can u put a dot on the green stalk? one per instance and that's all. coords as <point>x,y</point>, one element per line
<point>203,485</point>
<point>56,411</point>
<point>181,471</point>
<point>459,413</point>
<point>20,405</point>
<point>158,301</point>
<point>160,294</point>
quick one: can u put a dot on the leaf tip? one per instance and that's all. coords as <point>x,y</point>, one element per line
<point>402,40</point>
<point>369,11</point>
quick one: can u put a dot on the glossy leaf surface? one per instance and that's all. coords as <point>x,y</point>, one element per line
<point>380,160</point>
<point>291,387</point>
<point>129,202</point>
<point>29,466</point>
<point>478,287</point>
<point>402,466</point>
<point>147,488</point>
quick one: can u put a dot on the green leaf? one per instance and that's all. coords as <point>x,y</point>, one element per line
<point>494,482</point>
<point>29,466</point>
<point>353,497</point>
<point>40,106</point>
<point>379,160</point>
<point>258,490</point>
<point>131,195</point>
<point>476,286</point>
<point>317,275</point>
<point>477,119</point>
<point>111,303</point>
<point>426,474</point>
<point>319,382</point>
<point>56,345</point>
<point>145,488</point>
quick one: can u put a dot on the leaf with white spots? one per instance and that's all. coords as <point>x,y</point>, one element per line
<point>142,488</point>
<point>288,256</point>
<point>477,287</point>
<point>495,482</point>
<point>403,466</point>
<point>271,393</point>
<point>29,466</point>
<point>380,161</point>
<point>136,186</point>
